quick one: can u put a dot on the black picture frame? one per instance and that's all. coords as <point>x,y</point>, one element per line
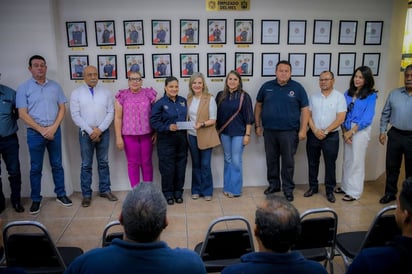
<point>322,31</point>
<point>76,34</point>
<point>373,33</point>
<point>216,31</point>
<point>105,33</point>
<point>161,32</point>
<point>347,32</point>
<point>162,65</point>
<point>243,31</point>
<point>321,62</point>
<point>189,32</point>
<point>298,63</point>
<point>372,60</point>
<point>135,63</point>
<point>216,64</point>
<point>133,32</point>
<point>269,62</point>
<point>296,32</point>
<point>189,63</point>
<point>77,64</point>
<point>244,63</point>
<point>107,66</point>
<point>346,63</point>
<point>269,34</point>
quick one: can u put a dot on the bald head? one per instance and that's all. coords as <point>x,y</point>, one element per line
<point>90,76</point>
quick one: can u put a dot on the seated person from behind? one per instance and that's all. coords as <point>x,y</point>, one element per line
<point>396,257</point>
<point>143,218</point>
<point>277,228</point>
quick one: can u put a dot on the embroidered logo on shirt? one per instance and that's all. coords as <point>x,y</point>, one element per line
<point>291,93</point>
<point>182,104</point>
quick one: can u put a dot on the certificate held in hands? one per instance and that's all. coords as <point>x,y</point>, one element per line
<point>185,125</point>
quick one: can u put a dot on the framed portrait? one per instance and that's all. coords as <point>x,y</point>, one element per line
<point>298,62</point>
<point>216,64</point>
<point>107,66</point>
<point>269,61</point>
<point>347,32</point>
<point>76,34</point>
<point>216,31</point>
<point>243,31</point>
<point>134,63</point>
<point>244,63</point>
<point>373,33</point>
<point>270,31</point>
<point>322,31</point>
<point>189,63</point>
<point>296,32</point>
<point>189,32</point>
<point>321,62</point>
<point>372,60</point>
<point>133,32</point>
<point>161,32</point>
<point>77,65</point>
<point>346,63</point>
<point>162,65</point>
<point>105,33</point>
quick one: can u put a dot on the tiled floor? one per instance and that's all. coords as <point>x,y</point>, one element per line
<point>188,222</point>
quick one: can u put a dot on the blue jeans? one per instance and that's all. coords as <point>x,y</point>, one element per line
<point>9,151</point>
<point>87,148</point>
<point>202,180</point>
<point>232,151</point>
<point>37,145</point>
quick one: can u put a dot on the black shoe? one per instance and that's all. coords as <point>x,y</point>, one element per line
<point>179,200</point>
<point>289,196</point>
<point>271,189</point>
<point>64,200</point>
<point>387,198</point>
<point>18,207</point>
<point>109,196</point>
<point>35,208</point>
<point>170,201</point>
<point>330,197</point>
<point>310,192</point>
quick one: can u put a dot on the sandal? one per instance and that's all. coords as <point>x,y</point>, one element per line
<point>348,198</point>
<point>228,194</point>
<point>339,191</point>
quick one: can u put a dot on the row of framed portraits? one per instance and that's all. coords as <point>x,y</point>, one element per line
<point>216,64</point>
<point>161,32</point>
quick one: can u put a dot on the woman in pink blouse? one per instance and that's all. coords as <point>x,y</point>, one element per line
<point>132,128</point>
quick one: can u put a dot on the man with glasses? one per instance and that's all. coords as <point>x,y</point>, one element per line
<point>327,113</point>
<point>92,110</point>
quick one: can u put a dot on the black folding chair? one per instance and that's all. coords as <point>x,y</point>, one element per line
<point>108,236</point>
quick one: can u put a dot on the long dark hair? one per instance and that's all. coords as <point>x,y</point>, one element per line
<point>369,86</point>
<point>226,91</point>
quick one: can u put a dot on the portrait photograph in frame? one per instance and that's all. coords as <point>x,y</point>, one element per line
<point>76,34</point>
<point>77,65</point>
<point>243,31</point>
<point>372,60</point>
<point>189,63</point>
<point>322,31</point>
<point>347,32</point>
<point>298,62</point>
<point>133,32</point>
<point>296,32</point>
<point>270,32</point>
<point>244,63</point>
<point>134,63</point>
<point>107,66</point>
<point>216,31</point>
<point>321,62</point>
<point>346,63</point>
<point>216,64</point>
<point>269,62</point>
<point>373,33</point>
<point>161,32</point>
<point>189,32</point>
<point>162,65</point>
<point>105,33</point>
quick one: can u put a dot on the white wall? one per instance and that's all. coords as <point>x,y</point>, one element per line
<point>38,27</point>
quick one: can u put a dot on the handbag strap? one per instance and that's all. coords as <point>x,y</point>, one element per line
<point>233,116</point>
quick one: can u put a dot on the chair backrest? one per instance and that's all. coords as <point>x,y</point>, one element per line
<point>108,236</point>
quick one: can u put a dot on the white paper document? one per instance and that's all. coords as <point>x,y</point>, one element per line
<point>185,125</point>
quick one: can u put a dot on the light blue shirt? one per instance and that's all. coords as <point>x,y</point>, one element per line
<point>41,100</point>
<point>397,111</point>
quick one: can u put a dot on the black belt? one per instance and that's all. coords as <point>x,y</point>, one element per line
<point>4,138</point>
<point>403,132</point>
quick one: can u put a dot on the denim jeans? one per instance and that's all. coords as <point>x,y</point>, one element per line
<point>9,151</point>
<point>202,180</point>
<point>232,172</point>
<point>37,146</point>
<point>87,148</point>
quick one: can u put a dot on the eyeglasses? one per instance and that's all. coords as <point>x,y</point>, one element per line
<point>135,79</point>
<point>350,106</point>
<point>323,80</point>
